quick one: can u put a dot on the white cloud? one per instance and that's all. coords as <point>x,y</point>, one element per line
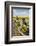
<point>25,12</point>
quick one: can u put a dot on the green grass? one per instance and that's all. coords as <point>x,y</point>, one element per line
<point>17,20</point>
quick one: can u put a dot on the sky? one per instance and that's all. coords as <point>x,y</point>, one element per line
<point>20,12</point>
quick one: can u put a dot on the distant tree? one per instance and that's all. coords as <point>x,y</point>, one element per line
<point>24,22</point>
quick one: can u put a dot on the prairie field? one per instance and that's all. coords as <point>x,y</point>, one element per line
<point>20,25</point>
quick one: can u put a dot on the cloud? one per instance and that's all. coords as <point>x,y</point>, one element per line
<point>20,12</point>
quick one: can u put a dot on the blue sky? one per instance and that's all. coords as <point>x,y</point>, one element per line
<point>22,12</point>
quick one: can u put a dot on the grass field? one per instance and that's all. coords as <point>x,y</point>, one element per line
<point>20,25</point>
